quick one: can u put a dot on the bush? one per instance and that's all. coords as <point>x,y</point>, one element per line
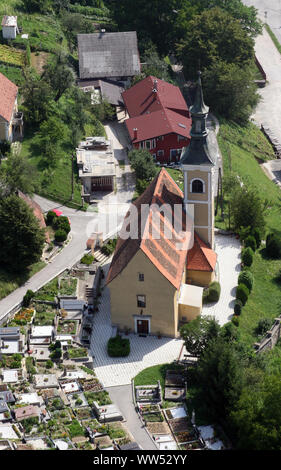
<point>247,256</point>
<point>246,277</point>
<point>87,259</point>
<point>49,364</point>
<point>273,245</point>
<point>257,234</point>
<point>238,307</point>
<point>51,217</point>
<point>242,293</point>
<point>263,325</point>
<point>251,242</point>
<point>118,347</point>
<point>60,235</point>
<point>27,298</point>
<point>235,320</point>
<point>62,223</point>
<point>212,294</point>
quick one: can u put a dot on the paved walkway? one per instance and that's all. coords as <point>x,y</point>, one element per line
<point>110,215</point>
<point>145,352</point>
<point>272,169</point>
<point>122,397</point>
<point>228,249</point>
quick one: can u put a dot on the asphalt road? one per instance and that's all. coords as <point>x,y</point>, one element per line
<point>269,12</point>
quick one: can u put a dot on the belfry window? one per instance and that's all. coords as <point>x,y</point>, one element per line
<point>197,186</point>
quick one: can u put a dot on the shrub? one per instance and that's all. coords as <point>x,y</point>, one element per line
<point>242,293</point>
<point>246,277</point>
<point>235,320</point>
<point>251,242</point>
<point>51,217</point>
<point>257,234</point>
<point>247,256</point>
<point>238,307</point>
<point>212,294</point>
<point>49,364</point>
<point>273,245</point>
<point>87,259</point>
<point>62,223</point>
<point>60,235</point>
<point>263,325</point>
<point>118,347</point>
<point>27,298</point>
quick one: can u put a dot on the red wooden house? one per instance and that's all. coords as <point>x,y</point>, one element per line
<point>159,118</point>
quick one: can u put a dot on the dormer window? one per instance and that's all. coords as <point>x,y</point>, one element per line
<point>197,186</point>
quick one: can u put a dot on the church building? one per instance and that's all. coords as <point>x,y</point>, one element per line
<point>156,281</point>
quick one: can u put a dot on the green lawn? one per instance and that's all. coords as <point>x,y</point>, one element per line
<point>11,281</point>
<point>242,150</point>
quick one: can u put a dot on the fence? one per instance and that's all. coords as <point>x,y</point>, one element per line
<point>271,337</point>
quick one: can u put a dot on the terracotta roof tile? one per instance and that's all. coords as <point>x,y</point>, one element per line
<point>201,257</point>
<point>164,253</point>
<point>8,94</point>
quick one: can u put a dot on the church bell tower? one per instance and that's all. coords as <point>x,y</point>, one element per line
<point>198,161</point>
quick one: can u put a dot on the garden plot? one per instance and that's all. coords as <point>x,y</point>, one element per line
<point>92,385</point>
<point>70,387</point>
<point>68,327</point>
<point>63,416</point>
<point>55,404</point>
<point>45,315</point>
<point>68,286</point>
<point>77,400</point>
<point>174,386</point>
<point>165,442</point>
<point>11,56</point>
<point>83,413</point>
<point>101,398</point>
<point>158,428</point>
<point>77,353</point>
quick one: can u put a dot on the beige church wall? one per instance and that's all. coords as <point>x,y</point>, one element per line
<point>160,295</point>
<point>188,312</point>
<point>201,215</point>
<point>203,234</point>
<point>3,125</point>
<point>199,278</point>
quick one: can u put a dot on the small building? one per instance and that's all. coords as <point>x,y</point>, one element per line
<point>97,166</point>
<point>11,121</point>
<point>107,62</point>
<point>46,381</point>
<point>9,27</point>
<point>159,119</point>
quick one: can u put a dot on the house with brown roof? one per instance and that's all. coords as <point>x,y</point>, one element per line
<point>11,121</point>
<point>158,272</point>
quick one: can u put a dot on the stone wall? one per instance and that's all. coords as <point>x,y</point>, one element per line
<point>271,337</point>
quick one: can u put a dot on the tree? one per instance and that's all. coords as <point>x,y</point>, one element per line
<point>17,173</point>
<point>59,75</point>
<point>143,164</point>
<point>37,96</point>
<point>51,133</point>
<point>21,238</point>
<point>230,90</point>
<point>257,417</point>
<point>247,208</point>
<point>75,23</point>
<point>247,16</point>
<point>219,372</point>
<point>214,36</point>
<point>154,65</point>
<point>197,334</point>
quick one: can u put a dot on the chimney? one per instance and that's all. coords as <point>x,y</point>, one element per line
<point>135,133</point>
<point>155,89</point>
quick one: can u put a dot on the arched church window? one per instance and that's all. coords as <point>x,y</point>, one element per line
<point>197,186</point>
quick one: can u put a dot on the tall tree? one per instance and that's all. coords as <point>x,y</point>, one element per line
<point>247,208</point>
<point>37,97</point>
<point>59,75</point>
<point>18,173</point>
<point>214,36</point>
<point>21,238</point>
<point>197,334</point>
<point>143,164</point>
<point>51,133</point>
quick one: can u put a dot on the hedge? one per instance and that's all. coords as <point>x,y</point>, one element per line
<point>246,277</point>
<point>251,242</point>
<point>212,294</point>
<point>273,245</point>
<point>118,347</point>
<point>60,235</point>
<point>238,307</point>
<point>247,256</point>
<point>242,293</point>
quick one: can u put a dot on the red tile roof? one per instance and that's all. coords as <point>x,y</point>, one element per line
<point>164,253</point>
<point>26,412</point>
<point>8,94</point>
<point>156,113</point>
<point>37,212</point>
<point>201,257</point>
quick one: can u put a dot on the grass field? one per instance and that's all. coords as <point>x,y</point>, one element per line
<point>10,281</point>
<point>242,150</point>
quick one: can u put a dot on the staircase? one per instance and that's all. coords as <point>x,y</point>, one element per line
<point>100,257</point>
